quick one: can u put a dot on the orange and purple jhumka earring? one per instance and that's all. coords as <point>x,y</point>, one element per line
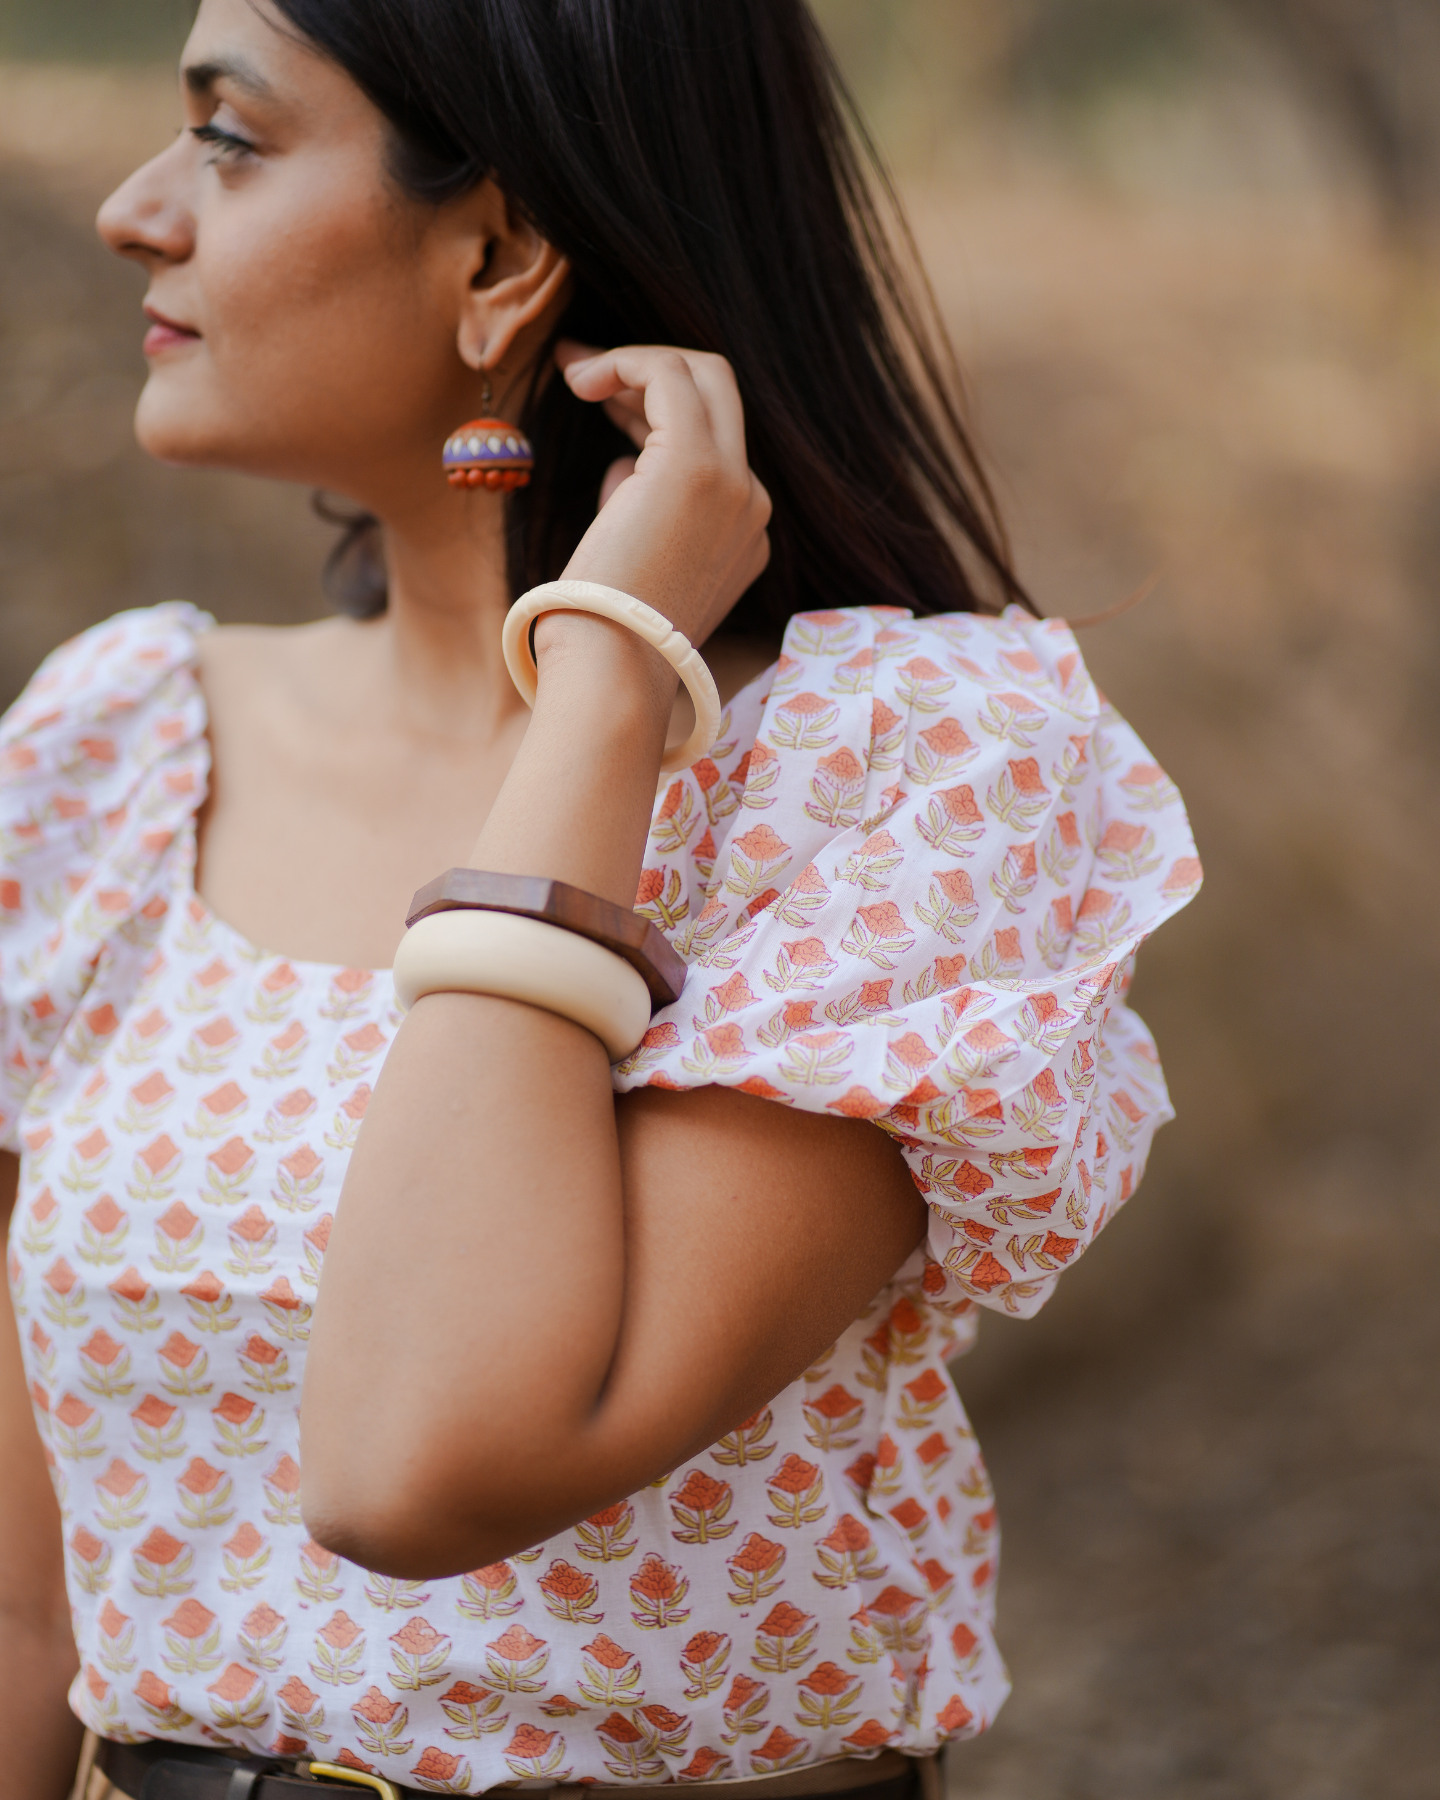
<point>488,453</point>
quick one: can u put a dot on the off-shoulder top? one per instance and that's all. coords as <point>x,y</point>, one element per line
<point>908,881</point>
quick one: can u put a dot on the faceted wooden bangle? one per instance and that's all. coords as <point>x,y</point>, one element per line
<point>516,958</point>
<point>616,928</point>
<point>636,616</point>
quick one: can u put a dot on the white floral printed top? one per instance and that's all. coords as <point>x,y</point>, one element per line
<point>908,881</point>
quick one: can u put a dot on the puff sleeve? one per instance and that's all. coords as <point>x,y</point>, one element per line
<point>103,760</point>
<point>910,883</point>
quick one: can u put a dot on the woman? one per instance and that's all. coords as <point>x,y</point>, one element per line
<point>627,1452</point>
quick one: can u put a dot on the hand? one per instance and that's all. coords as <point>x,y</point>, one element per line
<point>683,526</point>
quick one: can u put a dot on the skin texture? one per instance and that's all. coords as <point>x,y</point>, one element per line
<point>37,1651</point>
<point>573,1310</point>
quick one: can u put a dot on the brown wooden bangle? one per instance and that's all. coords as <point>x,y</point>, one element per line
<point>621,931</point>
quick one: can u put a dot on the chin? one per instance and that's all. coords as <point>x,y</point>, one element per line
<point>175,426</point>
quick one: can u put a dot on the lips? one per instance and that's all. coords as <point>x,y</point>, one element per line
<point>166,334</point>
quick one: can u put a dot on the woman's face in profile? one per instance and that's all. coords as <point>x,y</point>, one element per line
<point>302,311</point>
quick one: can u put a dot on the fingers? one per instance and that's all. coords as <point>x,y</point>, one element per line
<point>686,392</point>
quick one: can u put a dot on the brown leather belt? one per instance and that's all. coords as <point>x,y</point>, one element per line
<point>158,1771</point>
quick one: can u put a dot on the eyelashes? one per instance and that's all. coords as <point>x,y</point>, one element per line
<point>225,145</point>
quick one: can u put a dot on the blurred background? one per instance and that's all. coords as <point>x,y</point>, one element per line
<point>1189,251</point>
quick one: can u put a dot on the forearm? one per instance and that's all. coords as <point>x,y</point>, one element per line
<point>42,1735</point>
<point>483,1209</point>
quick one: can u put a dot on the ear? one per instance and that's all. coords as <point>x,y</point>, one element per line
<point>517,284</point>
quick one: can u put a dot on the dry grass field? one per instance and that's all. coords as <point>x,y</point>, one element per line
<point>1217,1452</point>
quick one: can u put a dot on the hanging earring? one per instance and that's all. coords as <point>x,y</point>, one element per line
<point>488,453</point>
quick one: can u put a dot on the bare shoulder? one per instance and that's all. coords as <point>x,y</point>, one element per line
<point>235,652</point>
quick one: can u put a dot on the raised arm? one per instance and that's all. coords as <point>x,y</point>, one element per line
<point>536,1300</point>
<point>37,1648</point>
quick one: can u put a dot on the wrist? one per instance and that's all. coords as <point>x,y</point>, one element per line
<point>596,664</point>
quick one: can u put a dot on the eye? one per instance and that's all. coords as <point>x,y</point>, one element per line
<point>226,147</point>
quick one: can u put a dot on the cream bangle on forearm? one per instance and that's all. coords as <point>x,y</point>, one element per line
<point>636,616</point>
<point>516,958</point>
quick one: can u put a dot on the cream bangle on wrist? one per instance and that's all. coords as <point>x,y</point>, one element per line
<point>516,958</point>
<point>623,609</point>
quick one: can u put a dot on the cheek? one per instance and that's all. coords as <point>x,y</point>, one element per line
<point>320,343</point>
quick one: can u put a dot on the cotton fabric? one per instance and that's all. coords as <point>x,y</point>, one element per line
<point>909,882</point>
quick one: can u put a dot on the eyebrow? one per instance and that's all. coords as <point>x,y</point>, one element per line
<point>202,77</point>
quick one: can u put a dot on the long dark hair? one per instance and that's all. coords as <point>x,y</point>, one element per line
<point>703,168</point>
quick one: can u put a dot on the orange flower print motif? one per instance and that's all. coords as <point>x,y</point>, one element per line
<point>117,1639</point>
<point>605,1535</point>
<point>847,1555</point>
<point>1184,878</point>
<point>757,860</point>
<point>339,1659</point>
<point>749,1442</point>
<point>704,1662</point>
<point>627,1752</point>
<point>89,1561</point>
<point>262,1636</point>
<point>795,1489</point>
<point>516,1661</point>
<point>298,1180</point>
<point>318,1579</point>
<point>349,994</point>
<point>247,1558</point>
<point>473,1711</point>
<point>282,1492</point>
<point>610,1674</point>
<point>833,1419</point>
<point>533,1753</point>
<point>940,752</point>
<point>837,789</point>
<point>489,1593</point>
<point>872,1735</point>
<point>701,1505</point>
<point>227,1172</point>
<point>755,1570</point>
<point>657,1593</point>
<point>160,1703</point>
<point>381,1723</point>
<point>828,1695</point>
<point>570,1594</point>
<point>780,1750</point>
<point>953,1718</point>
<point>192,1637</point>
<point>302,1711</point>
<point>418,1655</point>
<point>900,1620</point>
<point>205,1496</point>
<point>744,1708</point>
<point>804,722</point>
<point>162,1565</point>
<point>238,1424</point>
<point>440,1772</point>
<point>878,934</point>
<point>120,1495</point>
<point>785,1639</point>
<point>951,821</point>
<point>706,1765</point>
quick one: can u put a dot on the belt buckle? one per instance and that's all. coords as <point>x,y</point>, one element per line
<point>360,1778</point>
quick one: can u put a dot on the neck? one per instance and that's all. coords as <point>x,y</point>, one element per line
<point>448,598</point>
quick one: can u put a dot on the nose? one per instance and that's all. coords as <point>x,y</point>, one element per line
<point>149,218</point>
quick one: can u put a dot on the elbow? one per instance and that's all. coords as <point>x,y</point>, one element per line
<point>414,1517</point>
